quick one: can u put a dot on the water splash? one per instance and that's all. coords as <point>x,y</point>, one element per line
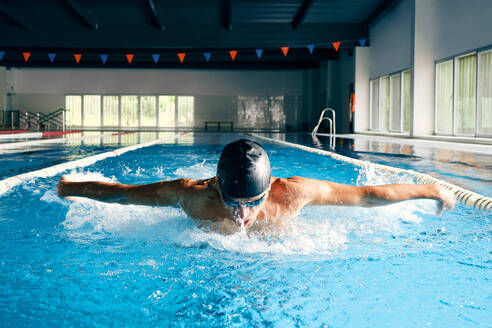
<point>318,230</point>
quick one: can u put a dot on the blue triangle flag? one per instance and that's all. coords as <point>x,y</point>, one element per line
<point>362,42</point>
<point>259,52</point>
<point>207,55</point>
<point>52,57</point>
<point>2,53</point>
<point>156,57</point>
<point>104,58</point>
<point>310,48</point>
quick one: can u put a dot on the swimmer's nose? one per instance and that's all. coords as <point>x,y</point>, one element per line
<point>243,212</point>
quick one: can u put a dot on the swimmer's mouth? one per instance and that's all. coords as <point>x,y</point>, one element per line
<point>240,222</point>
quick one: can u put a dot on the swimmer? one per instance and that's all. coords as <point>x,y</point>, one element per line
<point>244,192</point>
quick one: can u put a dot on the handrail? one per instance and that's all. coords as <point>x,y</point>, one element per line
<point>332,126</point>
<point>53,117</point>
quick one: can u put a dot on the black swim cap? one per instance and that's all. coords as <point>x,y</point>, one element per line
<point>243,170</point>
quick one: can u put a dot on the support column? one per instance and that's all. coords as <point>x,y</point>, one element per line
<point>362,97</point>
<point>423,68</point>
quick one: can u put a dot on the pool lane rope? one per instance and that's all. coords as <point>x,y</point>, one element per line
<point>9,183</point>
<point>15,145</point>
<point>464,196</point>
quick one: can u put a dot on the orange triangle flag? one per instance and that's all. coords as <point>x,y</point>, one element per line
<point>181,56</point>
<point>129,57</point>
<point>336,45</point>
<point>77,57</point>
<point>233,54</point>
<point>285,50</point>
<point>26,56</point>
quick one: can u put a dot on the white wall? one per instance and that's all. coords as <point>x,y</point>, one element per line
<point>3,88</point>
<point>216,92</point>
<point>362,76</point>
<point>415,34</point>
<point>443,28</point>
<point>390,37</point>
<point>460,26</point>
<point>151,81</point>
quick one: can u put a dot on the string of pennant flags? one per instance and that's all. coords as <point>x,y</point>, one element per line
<point>182,55</point>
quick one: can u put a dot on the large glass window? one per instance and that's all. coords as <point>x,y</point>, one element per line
<point>148,113</point>
<point>464,95</point>
<point>466,88</point>
<point>375,104</point>
<point>167,111</point>
<point>485,94</point>
<point>185,111</point>
<point>92,111</point>
<point>129,111</point>
<point>133,111</point>
<point>384,104</point>
<point>395,103</point>
<point>111,110</point>
<point>390,103</point>
<point>73,116</point>
<point>444,98</point>
<point>406,100</point>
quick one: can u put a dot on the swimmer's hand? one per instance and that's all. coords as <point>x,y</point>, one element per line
<point>446,200</point>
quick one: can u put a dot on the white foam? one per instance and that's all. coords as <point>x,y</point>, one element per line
<point>201,170</point>
<point>318,230</point>
<point>81,176</point>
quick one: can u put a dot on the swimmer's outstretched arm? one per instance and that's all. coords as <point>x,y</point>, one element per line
<point>330,193</point>
<point>164,193</point>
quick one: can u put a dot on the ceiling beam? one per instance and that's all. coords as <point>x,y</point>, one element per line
<point>155,15</point>
<point>84,14</point>
<point>301,13</point>
<point>383,6</point>
<point>12,19</point>
<point>226,16</point>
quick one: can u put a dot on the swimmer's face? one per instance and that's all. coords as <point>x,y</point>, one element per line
<point>245,210</point>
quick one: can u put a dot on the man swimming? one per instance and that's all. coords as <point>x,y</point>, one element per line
<point>243,191</point>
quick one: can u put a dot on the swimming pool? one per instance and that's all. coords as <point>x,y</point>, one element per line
<point>93,264</point>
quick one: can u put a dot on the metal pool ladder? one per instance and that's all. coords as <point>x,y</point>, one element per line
<point>332,126</point>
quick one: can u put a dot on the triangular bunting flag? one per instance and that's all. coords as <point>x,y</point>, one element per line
<point>77,57</point>
<point>233,54</point>
<point>156,57</point>
<point>285,50</point>
<point>129,57</point>
<point>181,56</point>
<point>52,57</point>
<point>362,42</point>
<point>310,48</point>
<point>2,53</point>
<point>26,56</point>
<point>336,45</point>
<point>259,52</point>
<point>207,55</point>
<point>104,58</point>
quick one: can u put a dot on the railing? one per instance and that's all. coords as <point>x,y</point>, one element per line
<point>54,119</point>
<point>332,126</point>
<point>13,119</point>
<point>28,121</point>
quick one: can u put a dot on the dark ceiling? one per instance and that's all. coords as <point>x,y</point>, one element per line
<point>157,27</point>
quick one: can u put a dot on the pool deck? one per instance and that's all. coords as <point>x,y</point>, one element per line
<point>482,146</point>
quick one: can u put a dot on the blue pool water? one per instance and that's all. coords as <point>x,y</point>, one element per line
<point>88,263</point>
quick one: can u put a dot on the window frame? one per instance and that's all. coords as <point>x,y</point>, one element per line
<point>478,53</point>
